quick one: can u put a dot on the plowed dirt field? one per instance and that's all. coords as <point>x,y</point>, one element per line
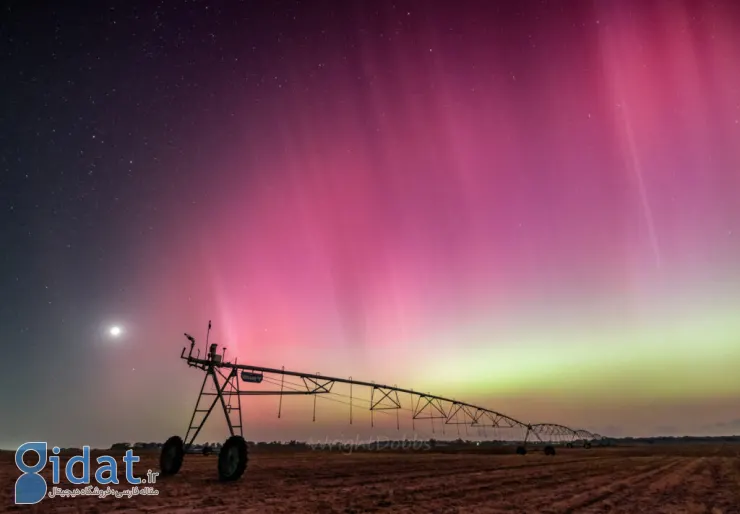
<point>650,479</point>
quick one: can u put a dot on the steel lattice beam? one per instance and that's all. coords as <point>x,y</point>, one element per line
<point>382,397</point>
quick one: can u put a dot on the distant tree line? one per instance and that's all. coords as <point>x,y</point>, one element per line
<point>435,443</point>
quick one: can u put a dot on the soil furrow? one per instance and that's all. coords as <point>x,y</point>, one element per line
<point>607,486</point>
<point>657,479</point>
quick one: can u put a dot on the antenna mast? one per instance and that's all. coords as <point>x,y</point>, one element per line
<point>207,336</point>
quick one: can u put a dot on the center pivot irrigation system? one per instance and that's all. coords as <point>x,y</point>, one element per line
<point>233,457</point>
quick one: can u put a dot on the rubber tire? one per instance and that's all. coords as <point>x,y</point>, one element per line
<point>170,460</point>
<point>521,450</point>
<point>229,471</point>
<point>549,450</point>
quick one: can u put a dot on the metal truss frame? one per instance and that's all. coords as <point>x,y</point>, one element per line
<point>424,406</point>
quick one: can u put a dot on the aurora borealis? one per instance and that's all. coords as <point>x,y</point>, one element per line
<point>529,205</point>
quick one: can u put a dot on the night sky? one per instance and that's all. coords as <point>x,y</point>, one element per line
<point>529,205</point>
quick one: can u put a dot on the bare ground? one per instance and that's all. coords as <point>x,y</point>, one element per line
<point>649,479</point>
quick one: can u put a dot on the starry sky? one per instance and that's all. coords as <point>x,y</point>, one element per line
<point>528,205</point>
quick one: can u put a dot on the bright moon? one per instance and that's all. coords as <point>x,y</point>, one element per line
<point>115,331</point>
